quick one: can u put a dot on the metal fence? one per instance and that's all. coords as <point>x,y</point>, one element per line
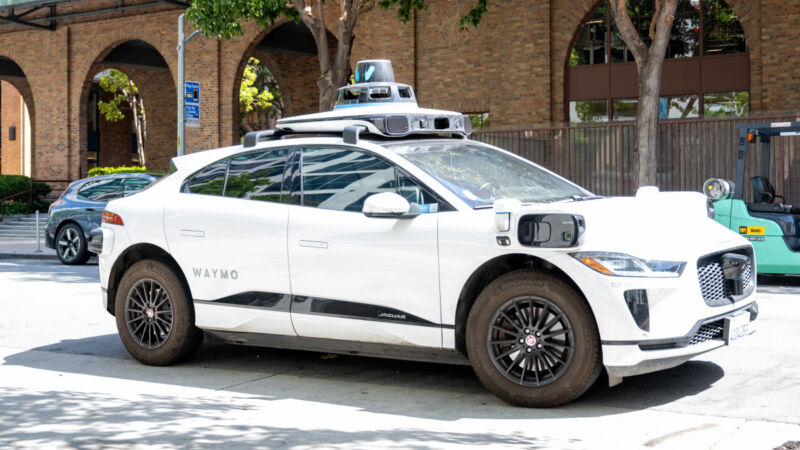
<point>599,157</point>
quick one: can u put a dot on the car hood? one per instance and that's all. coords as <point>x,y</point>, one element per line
<point>662,225</point>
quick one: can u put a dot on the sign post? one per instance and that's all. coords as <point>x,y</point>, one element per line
<point>183,90</point>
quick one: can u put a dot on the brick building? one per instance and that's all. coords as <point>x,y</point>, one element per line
<point>529,63</point>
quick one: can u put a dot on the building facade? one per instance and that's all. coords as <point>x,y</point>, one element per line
<point>525,65</point>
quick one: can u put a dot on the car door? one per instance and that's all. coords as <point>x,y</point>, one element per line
<point>355,277</point>
<point>227,230</point>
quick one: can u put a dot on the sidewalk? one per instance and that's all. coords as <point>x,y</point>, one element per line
<point>16,249</point>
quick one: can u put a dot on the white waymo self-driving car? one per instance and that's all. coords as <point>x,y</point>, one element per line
<point>380,229</point>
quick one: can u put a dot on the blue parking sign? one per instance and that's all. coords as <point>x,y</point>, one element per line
<point>191,112</point>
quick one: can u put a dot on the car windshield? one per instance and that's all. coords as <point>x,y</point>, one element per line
<point>480,174</point>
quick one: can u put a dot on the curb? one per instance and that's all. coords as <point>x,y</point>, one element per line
<point>28,256</point>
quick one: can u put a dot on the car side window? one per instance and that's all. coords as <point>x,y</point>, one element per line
<point>257,176</point>
<point>134,185</point>
<point>415,193</point>
<point>209,181</point>
<point>341,179</point>
<point>101,190</point>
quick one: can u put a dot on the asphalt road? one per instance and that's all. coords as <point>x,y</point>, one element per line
<point>67,382</point>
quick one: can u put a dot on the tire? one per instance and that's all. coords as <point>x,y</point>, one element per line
<point>71,245</point>
<point>559,356</point>
<point>155,316</point>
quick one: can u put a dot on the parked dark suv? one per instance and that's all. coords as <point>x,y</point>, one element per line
<point>80,209</point>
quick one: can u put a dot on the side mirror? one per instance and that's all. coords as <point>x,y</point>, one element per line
<point>386,204</point>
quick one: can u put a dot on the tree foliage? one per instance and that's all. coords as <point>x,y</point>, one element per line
<point>125,96</point>
<point>260,101</point>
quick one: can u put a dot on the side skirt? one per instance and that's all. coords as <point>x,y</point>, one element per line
<point>401,352</point>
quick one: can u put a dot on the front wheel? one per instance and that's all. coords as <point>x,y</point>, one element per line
<point>532,340</point>
<point>155,317</point>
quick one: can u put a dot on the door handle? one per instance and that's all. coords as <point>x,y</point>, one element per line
<point>314,244</point>
<point>193,233</point>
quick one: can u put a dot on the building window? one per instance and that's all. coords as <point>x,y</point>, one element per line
<point>706,39</point>
<point>479,120</point>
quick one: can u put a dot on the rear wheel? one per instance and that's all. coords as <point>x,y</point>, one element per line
<point>532,340</point>
<point>155,317</point>
<point>71,245</point>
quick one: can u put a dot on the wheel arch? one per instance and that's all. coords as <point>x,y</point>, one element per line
<point>492,270</point>
<point>134,254</point>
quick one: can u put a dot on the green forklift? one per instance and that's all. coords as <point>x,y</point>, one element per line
<point>771,225</point>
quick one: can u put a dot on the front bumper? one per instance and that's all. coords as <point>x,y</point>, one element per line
<point>628,358</point>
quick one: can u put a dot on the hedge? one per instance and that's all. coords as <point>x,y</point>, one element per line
<point>13,184</point>
<point>121,169</point>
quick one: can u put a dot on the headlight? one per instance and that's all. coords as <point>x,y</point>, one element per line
<point>717,188</point>
<point>622,265</point>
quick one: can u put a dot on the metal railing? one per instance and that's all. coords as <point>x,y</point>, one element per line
<point>29,192</point>
<point>599,157</point>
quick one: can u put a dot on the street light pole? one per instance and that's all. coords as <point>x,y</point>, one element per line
<point>182,86</point>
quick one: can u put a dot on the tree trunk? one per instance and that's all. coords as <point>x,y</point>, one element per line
<point>332,76</point>
<point>649,64</point>
<point>328,89</point>
<point>137,125</point>
<point>645,162</point>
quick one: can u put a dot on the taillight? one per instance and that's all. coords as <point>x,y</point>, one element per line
<point>110,217</point>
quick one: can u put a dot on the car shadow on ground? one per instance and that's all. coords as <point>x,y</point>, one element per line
<point>50,270</point>
<point>425,390</point>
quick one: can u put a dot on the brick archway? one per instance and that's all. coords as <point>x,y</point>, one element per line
<point>22,86</point>
<point>296,75</point>
<point>158,93</point>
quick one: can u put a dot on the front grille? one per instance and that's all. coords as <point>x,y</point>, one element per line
<point>708,332</point>
<point>712,284</point>
<point>712,280</point>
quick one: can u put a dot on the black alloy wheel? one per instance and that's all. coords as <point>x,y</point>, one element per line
<point>155,314</point>
<point>530,340</point>
<point>148,313</point>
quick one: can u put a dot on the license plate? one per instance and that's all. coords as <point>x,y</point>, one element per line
<point>736,327</point>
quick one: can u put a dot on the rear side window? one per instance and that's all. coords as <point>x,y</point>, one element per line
<point>257,176</point>
<point>101,190</point>
<point>133,185</point>
<point>209,181</point>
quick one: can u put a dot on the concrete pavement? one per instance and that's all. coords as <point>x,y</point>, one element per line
<point>67,382</point>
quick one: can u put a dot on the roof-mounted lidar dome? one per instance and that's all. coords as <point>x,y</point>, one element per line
<point>374,86</point>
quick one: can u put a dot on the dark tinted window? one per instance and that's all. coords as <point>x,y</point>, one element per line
<point>133,185</point>
<point>208,181</point>
<point>257,176</point>
<point>101,190</point>
<point>342,179</point>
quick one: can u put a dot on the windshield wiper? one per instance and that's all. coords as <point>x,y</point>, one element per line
<point>583,198</point>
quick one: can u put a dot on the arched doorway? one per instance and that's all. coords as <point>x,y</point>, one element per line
<point>16,119</point>
<point>706,73</point>
<point>110,141</point>
<point>288,54</point>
